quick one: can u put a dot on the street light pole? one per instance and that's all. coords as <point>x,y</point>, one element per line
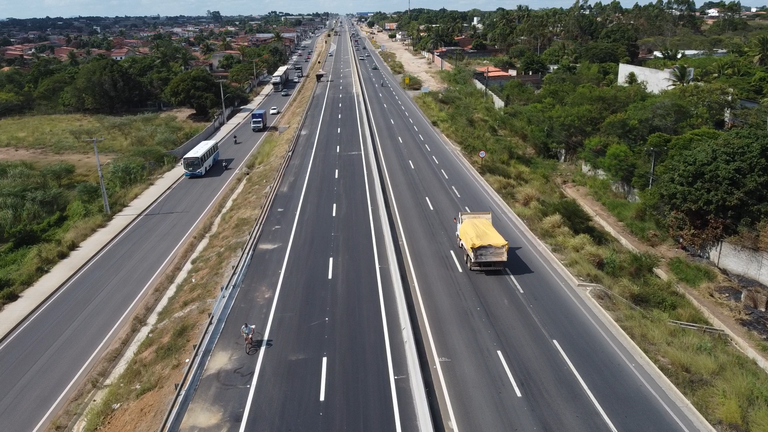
<point>101,176</point>
<point>223,108</point>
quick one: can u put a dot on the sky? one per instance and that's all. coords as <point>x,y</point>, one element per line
<point>70,8</point>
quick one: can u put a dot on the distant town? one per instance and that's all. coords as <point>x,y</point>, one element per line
<point>208,38</point>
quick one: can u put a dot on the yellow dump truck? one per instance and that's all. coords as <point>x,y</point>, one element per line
<point>484,248</point>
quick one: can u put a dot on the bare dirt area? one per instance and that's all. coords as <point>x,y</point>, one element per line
<point>414,63</point>
<point>716,298</point>
<point>181,114</point>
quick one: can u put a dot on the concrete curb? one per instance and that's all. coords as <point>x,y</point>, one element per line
<point>14,314</point>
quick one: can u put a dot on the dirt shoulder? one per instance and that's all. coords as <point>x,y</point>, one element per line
<point>414,63</point>
<point>728,313</point>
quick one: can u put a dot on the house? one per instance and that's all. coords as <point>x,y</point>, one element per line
<point>712,13</point>
<point>463,41</point>
<point>655,80</point>
<point>390,26</point>
<point>121,53</point>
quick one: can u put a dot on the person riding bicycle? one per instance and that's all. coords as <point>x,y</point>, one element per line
<point>224,163</point>
<point>247,332</point>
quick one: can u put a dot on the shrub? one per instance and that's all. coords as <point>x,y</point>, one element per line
<point>690,273</point>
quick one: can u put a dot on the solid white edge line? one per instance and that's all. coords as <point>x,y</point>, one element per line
<point>260,360</point>
<point>430,204</point>
<point>509,374</point>
<point>512,278</point>
<point>322,379</point>
<point>457,192</point>
<point>584,386</point>
<point>388,348</point>
<point>458,266</point>
<point>330,268</point>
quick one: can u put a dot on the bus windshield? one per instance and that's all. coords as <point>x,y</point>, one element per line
<point>192,164</point>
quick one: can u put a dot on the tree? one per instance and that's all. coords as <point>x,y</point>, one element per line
<point>194,88</point>
<point>620,163</point>
<point>716,187</point>
<point>241,73</point>
<point>228,61</point>
<point>681,75</point>
<point>101,85</point>
<point>760,50</point>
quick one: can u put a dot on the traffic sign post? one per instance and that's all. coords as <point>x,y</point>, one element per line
<point>482,155</point>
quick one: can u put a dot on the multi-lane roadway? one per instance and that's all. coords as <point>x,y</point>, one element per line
<point>47,356</point>
<point>515,350</point>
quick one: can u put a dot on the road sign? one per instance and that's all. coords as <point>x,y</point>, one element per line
<point>481,154</point>
<point>406,79</point>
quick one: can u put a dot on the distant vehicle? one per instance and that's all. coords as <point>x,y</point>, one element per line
<point>484,248</point>
<point>306,60</point>
<point>258,120</point>
<point>200,159</point>
<point>274,110</point>
<point>361,57</point>
<point>375,67</point>
<point>295,79</point>
<point>364,47</point>
<point>330,54</point>
<point>367,54</point>
<point>284,92</point>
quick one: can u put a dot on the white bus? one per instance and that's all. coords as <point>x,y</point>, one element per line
<point>200,159</point>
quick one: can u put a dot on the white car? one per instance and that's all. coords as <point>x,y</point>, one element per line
<point>274,110</point>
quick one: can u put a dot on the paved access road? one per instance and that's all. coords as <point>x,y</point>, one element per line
<point>329,354</point>
<point>517,350</point>
<point>47,356</point>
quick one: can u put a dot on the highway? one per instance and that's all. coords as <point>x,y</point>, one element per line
<point>329,355</point>
<point>45,358</point>
<point>519,350</point>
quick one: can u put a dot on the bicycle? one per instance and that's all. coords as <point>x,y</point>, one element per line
<point>249,339</point>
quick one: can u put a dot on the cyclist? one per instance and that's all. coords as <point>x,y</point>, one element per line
<point>247,332</point>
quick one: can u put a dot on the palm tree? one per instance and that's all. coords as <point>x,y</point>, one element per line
<point>760,50</point>
<point>72,58</point>
<point>681,75</point>
<point>225,45</point>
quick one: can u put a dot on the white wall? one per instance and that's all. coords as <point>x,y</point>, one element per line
<point>745,262</point>
<point>655,80</point>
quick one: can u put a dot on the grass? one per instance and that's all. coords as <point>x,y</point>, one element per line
<point>394,65</point>
<point>159,359</point>
<point>133,151</point>
<point>692,274</point>
<point>635,216</point>
<point>66,133</point>
<point>728,388</point>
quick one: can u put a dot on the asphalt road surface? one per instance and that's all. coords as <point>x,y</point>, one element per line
<point>328,353</point>
<point>46,357</point>
<point>518,350</point>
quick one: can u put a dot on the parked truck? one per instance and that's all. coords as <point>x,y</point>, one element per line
<point>258,120</point>
<point>484,248</point>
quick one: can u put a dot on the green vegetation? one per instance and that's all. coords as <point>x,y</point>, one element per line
<point>413,82</point>
<point>725,386</point>
<point>691,273</point>
<point>638,217</point>
<point>49,205</point>
<point>391,60</point>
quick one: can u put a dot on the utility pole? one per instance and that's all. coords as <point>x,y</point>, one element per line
<point>101,176</point>
<point>485,92</point>
<point>223,108</point>
<point>653,162</point>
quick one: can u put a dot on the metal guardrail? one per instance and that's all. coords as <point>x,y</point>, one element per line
<point>193,366</point>
<point>703,328</point>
